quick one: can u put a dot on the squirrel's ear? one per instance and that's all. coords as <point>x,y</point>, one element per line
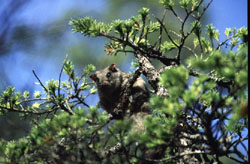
<point>112,68</point>
<point>93,77</point>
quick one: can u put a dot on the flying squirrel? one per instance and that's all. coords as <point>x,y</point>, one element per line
<point>111,82</point>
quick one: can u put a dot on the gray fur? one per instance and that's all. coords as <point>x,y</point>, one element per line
<point>110,83</point>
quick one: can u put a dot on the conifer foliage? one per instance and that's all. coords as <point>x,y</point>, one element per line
<point>199,96</point>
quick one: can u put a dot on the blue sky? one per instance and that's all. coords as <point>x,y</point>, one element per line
<point>228,13</point>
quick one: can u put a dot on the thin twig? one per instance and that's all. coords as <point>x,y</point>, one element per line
<point>166,31</point>
<point>160,37</point>
<point>66,58</point>
<point>40,81</point>
<point>27,111</point>
<point>178,156</point>
<point>224,42</point>
<point>176,15</point>
<point>191,50</point>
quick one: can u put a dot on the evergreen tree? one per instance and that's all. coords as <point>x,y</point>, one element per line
<point>199,97</point>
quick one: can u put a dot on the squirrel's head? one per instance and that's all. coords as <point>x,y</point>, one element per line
<point>108,78</point>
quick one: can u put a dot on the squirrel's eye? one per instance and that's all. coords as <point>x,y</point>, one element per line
<point>108,74</point>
